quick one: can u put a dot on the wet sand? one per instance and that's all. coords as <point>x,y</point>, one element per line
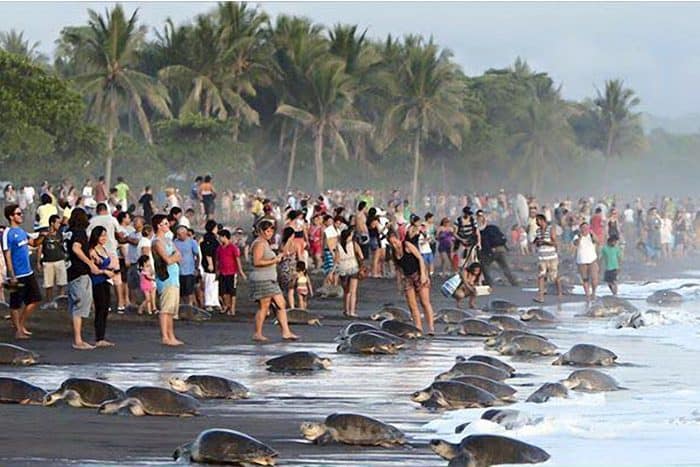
<point>34,435</point>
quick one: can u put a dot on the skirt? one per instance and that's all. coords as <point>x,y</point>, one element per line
<point>263,289</point>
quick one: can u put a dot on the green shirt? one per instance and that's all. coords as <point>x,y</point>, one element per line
<point>611,256</point>
<point>122,191</point>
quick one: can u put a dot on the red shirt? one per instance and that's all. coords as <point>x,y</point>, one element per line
<point>226,258</point>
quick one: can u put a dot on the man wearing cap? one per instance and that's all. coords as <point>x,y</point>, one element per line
<point>493,248</point>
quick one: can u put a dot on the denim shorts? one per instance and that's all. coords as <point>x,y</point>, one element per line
<point>80,296</point>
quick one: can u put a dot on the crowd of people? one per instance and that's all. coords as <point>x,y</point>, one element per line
<point>112,248</point>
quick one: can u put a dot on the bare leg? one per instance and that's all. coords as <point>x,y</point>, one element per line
<point>260,315</point>
<point>427,308</point>
<point>540,292</point>
<point>24,316</point>
<point>352,308</point>
<point>282,318</point>
<point>163,321</point>
<point>413,306</point>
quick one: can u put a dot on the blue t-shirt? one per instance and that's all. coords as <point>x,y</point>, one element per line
<point>173,279</point>
<point>16,241</point>
<point>188,250</point>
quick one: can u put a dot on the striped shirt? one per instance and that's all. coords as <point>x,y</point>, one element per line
<point>545,251</point>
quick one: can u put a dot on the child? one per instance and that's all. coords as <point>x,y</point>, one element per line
<point>524,247</point>
<point>147,282</point>
<point>228,266</point>
<point>302,285</point>
<point>611,255</point>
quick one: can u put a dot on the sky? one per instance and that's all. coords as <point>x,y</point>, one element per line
<point>653,47</point>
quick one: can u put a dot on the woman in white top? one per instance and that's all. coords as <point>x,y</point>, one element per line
<point>587,259</point>
<point>666,235</point>
<point>348,256</point>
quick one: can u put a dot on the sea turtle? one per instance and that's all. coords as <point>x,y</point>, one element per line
<point>473,327</point>
<point>590,381</point>
<point>602,310</point>
<point>298,361</point>
<point>16,355</point>
<point>188,312</point>
<point>221,446</point>
<point>493,361</point>
<point>453,315</point>
<point>614,300</point>
<point>502,306</point>
<point>300,316</point>
<point>499,389</point>
<point>401,329</point>
<point>665,297</point>
<point>528,345</point>
<point>456,395</point>
<point>547,391</point>
<point>354,328</point>
<point>487,450</point>
<point>640,319</point>
<point>392,312</point>
<point>474,368</point>
<point>210,387</point>
<point>16,391</point>
<point>367,342</point>
<point>350,428</point>
<point>150,400</point>
<point>586,354</point>
<point>508,418</point>
<point>538,315</point>
<point>84,392</point>
<point>508,323</point>
<point>506,337</point>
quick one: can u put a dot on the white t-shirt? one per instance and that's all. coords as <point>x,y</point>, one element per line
<point>629,215</point>
<point>185,222</point>
<point>585,252</point>
<point>331,232</point>
<point>424,244</point>
<point>145,242</point>
<point>111,226</point>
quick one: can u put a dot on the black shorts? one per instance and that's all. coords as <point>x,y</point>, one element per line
<point>133,279</point>
<point>611,276</point>
<point>186,285</point>
<point>123,270</point>
<point>26,294</point>
<point>227,285</point>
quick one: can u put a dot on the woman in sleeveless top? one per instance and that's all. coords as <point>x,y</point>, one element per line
<point>348,254</point>
<point>263,282</point>
<point>100,285</point>
<point>416,280</point>
<point>285,268</point>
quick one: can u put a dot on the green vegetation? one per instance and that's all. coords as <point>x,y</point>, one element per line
<point>292,103</point>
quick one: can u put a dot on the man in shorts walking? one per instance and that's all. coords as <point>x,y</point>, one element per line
<point>25,294</point>
<point>547,257</point>
<point>51,259</point>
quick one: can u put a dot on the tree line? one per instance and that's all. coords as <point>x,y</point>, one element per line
<point>238,94</point>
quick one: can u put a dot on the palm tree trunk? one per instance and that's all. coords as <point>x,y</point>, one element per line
<point>416,164</point>
<point>292,157</point>
<point>108,162</point>
<point>608,147</point>
<point>318,157</point>
<point>283,131</point>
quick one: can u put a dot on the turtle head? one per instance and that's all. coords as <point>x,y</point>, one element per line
<point>570,382</point>
<point>26,359</point>
<point>52,397</point>
<point>312,430</point>
<point>178,384</point>
<point>110,407</point>
<point>183,452</point>
<point>421,396</point>
<point>491,341</point>
<point>559,361</point>
<point>460,359</point>
<point>314,322</point>
<point>444,449</point>
<point>526,315</point>
<point>344,346</point>
<point>507,349</point>
<point>324,362</point>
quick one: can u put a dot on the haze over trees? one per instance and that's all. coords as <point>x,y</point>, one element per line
<point>291,103</point>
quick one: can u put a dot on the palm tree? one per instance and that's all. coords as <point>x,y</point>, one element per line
<point>616,115</point>
<point>429,93</point>
<point>226,63</point>
<point>324,109</point>
<point>544,138</point>
<point>298,46</point>
<point>110,82</point>
<point>14,43</point>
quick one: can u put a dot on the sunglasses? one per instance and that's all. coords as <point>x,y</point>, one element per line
<point>18,213</point>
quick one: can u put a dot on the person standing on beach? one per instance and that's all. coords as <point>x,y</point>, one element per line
<point>587,259</point>
<point>547,257</point>
<point>189,264</point>
<point>25,295</point>
<point>106,264</point>
<point>264,287</point>
<point>167,279</point>
<point>611,256</point>
<point>51,258</point>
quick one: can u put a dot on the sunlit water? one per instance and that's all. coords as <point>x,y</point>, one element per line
<point>655,422</point>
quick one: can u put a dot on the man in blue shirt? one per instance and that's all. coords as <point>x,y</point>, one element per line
<point>189,263</point>
<point>24,288</point>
